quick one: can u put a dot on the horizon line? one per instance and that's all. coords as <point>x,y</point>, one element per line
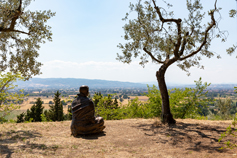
<point>144,82</point>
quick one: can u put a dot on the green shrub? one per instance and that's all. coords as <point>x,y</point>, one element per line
<point>189,102</point>
<point>43,118</point>
<point>154,101</point>
<point>34,113</point>
<point>230,131</point>
<point>106,107</point>
<point>20,118</point>
<point>184,103</point>
<point>137,109</point>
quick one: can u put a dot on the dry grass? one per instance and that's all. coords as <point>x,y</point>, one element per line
<point>141,98</point>
<point>122,138</point>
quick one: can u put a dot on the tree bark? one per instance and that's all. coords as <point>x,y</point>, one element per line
<point>166,116</point>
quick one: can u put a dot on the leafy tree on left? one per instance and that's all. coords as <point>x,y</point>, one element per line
<point>21,33</point>
<point>9,100</point>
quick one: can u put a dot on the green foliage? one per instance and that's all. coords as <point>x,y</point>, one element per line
<point>106,107</point>
<point>232,13</point>
<point>9,100</point>
<point>231,50</point>
<point>137,109</point>
<point>36,114</point>
<point>50,102</point>
<point>48,115</point>
<point>121,99</point>
<point>155,35</point>
<point>56,111</point>
<point>224,108</point>
<point>43,118</point>
<point>190,102</point>
<point>154,101</point>
<point>29,121</point>
<point>38,110</point>
<point>68,116</point>
<point>96,98</point>
<point>32,115</point>
<point>63,102</point>
<point>230,131</point>
<point>184,103</point>
<point>21,33</point>
<point>20,118</point>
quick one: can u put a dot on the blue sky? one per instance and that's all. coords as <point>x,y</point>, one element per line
<point>86,35</point>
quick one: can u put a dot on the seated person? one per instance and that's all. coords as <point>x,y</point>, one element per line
<point>83,111</point>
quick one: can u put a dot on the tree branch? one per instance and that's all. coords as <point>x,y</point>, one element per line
<point>148,36</point>
<point>178,23</point>
<point>16,16</point>
<point>152,57</point>
<point>213,23</point>
<point>5,85</point>
<point>10,30</point>
<point>21,32</point>
<point>183,44</point>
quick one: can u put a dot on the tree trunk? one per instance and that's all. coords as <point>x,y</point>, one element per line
<point>166,116</point>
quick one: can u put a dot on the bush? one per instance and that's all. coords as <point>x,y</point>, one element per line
<point>68,116</point>
<point>20,118</point>
<point>230,131</point>
<point>137,109</point>
<point>50,102</point>
<point>32,115</point>
<point>43,118</point>
<point>107,108</point>
<point>63,102</point>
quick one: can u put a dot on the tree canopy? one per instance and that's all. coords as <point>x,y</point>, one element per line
<point>158,35</point>
<point>21,33</point>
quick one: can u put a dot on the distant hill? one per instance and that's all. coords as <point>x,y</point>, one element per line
<point>75,83</point>
<point>50,83</point>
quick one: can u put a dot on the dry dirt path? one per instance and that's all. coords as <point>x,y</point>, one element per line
<point>142,138</point>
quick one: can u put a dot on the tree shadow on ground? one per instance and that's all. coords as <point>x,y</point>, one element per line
<point>192,136</point>
<point>12,137</point>
<point>91,136</point>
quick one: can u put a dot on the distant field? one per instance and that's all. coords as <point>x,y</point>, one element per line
<point>141,98</point>
<point>26,104</point>
<point>13,114</point>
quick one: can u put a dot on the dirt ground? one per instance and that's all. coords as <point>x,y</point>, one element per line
<point>141,138</point>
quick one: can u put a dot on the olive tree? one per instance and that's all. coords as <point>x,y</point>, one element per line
<point>158,36</point>
<point>21,33</point>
